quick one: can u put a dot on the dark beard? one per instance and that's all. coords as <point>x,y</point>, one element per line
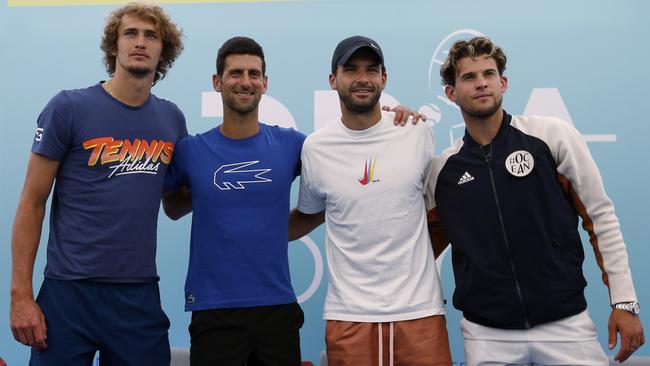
<point>361,108</point>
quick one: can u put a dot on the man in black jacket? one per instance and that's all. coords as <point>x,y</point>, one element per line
<point>508,197</point>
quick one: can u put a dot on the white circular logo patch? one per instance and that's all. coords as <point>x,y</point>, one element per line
<point>520,163</point>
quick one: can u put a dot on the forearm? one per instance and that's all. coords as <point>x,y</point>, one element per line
<point>301,224</point>
<point>611,256</point>
<point>41,172</point>
<point>177,204</point>
<point>27,321</point>
<point>437,235</point>
<point>24,245</point>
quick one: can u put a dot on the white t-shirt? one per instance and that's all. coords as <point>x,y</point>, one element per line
<point>371,183</point>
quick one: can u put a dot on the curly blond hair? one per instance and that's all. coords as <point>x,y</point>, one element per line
<point>170,33</point>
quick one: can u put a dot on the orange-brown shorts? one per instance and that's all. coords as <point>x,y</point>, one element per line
<point>416,342</point>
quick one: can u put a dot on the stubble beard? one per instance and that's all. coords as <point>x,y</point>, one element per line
<point>242,109</point>
<point>139,71</point>
<point>360,107</point>
<point>485,112</point>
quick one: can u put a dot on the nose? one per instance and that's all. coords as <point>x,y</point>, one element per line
<point>140,41</point>
<point>481,82</point>
<point>245,80</point>
<point>361,79</point>
<point>363,76</point>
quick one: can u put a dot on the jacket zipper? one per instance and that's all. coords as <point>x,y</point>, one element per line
<point>505,237</point>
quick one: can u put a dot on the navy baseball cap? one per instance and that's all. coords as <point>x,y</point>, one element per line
<point>347,47</point>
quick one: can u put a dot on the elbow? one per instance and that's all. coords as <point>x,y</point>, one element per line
<point>173,216</point>
<point>294,236</point>
<point>177,204</point>
<point>172,213</point>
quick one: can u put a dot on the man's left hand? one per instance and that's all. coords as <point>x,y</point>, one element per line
<point>631,330</point>
<point>402,114</point>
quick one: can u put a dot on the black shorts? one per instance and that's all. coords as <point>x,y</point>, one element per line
<point>263,335</point>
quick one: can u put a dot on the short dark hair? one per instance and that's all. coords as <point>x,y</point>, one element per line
<point>473,48</point>
<point>171,35</point>
<point>239,46</point>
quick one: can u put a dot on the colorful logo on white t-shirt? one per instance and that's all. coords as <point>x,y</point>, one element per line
<point>129,157</point>
<point>369,172</point>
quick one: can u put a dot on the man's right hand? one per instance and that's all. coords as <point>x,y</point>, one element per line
<point>28,323</point>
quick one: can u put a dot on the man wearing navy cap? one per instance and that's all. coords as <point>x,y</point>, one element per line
<point>384,302</point>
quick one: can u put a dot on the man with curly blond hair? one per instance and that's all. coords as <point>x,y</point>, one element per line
<point>106,150</point>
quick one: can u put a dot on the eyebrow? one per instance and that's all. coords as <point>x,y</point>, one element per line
<point>242,69</point>
<point>470,73</point>
<point>148,31</point>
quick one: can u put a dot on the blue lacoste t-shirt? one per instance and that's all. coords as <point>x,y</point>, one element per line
<point>240,201</point>
<point>113,161</point>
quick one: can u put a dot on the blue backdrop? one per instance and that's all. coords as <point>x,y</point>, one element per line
<point>582,60</point>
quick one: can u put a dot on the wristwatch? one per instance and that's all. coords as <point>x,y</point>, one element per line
<point>631,307</point>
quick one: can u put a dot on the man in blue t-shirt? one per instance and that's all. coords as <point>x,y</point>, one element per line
<point>106,150</point>
<point>238,286</point>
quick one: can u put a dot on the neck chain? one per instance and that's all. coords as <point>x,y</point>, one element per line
<point>108,88</point>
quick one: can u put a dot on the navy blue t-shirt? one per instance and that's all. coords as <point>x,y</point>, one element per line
<point>240,201</point>
<point>113,162</point>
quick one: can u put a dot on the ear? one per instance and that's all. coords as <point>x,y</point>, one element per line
<point>504,84</point>
<point>216,82</point>
<point>333,81</point>
<point>265,84</point>
<point>384,79</point>
<point>450,92</point>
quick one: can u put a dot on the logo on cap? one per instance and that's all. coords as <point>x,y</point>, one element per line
<point>520,163</point>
